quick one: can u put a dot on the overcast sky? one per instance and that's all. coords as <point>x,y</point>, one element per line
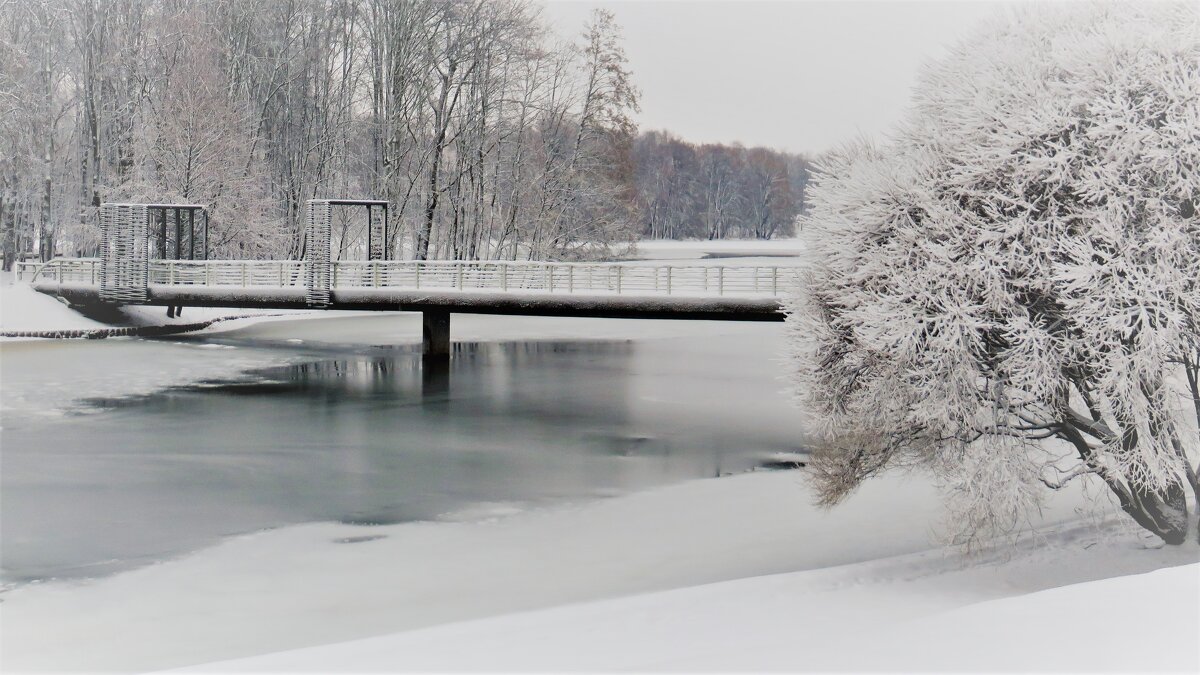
<point>799,76</point>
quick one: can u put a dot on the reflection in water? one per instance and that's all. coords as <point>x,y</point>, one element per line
<point>435,375</point>
<point>377,437</point>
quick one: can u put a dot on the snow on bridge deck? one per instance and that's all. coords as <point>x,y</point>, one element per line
<point>729,293</point>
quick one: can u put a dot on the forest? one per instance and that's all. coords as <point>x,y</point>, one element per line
<point>491,136</point>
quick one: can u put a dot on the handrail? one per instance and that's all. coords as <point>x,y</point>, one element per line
<point>60,267</point>
<point>451,275</point>
<point>22,269</point>
<point>619,278</point>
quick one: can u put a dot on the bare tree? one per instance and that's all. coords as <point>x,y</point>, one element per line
<point>490,138</point>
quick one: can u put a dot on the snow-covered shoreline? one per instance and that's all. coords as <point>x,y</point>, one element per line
<point>808,576</point>
<point>26,310</point>
<point>801,622</point>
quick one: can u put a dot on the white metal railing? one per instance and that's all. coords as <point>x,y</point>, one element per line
<point>585,278</point>
<point>26,270</point>
<point>246,273</point>
<point>62,270</point>
<point>580,278</point>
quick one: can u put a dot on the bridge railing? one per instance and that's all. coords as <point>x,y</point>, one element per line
<point>26,270</point>
<point>584,278</point>
<point>61,270</point>
<point>244,273</point>
<point>562,277</point>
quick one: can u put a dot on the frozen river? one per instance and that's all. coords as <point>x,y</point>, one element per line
<point>120,453</point>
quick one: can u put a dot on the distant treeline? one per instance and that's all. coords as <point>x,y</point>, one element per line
<point>716,191</point>
<point>491,137</point>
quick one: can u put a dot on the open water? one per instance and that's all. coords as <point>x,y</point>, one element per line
<point>120,453</point>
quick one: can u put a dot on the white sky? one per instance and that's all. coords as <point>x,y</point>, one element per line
<point>799,76</point>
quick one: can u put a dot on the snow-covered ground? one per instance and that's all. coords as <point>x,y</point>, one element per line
<point>856,618</point>
<point>24,309</point>
<point>780,252</point>
<point>732,573</point>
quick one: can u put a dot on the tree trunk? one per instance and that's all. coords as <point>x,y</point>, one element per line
<point>426,232</point>
<point>1165,513</point>
<point>8,241</point>
<point>441,122</point>
<point>1162,514</point>
<point>46,241</point>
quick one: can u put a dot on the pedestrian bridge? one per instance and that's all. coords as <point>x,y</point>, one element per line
<point>149,255</point>
<point>439,288</point>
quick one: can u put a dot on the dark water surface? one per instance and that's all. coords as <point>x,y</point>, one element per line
<point>369,434</point>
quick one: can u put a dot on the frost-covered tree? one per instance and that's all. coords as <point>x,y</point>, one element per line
<point>1008,293</point>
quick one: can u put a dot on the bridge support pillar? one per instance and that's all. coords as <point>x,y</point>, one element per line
<point>435,333</point>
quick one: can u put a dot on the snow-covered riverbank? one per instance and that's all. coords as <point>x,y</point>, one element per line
<point>855,618</point>
<point>865,573</point>
<point>24,309</point>
<point>783,252</point>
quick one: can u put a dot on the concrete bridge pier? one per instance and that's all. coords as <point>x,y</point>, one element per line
<point>435,333</point>
<point>435,359</point>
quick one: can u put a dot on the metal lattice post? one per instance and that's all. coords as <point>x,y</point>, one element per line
<point>317,235</point>
<point>377,235</point>
<point>124,256</point>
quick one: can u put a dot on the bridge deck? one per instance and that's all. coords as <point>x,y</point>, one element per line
<point>729,293</point>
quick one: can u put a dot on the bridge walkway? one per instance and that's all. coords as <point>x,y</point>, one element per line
<point>439,288</point>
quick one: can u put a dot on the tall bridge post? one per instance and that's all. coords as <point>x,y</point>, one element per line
<point>378,241</point>
<point>316,252</point>
<point>124,254</point>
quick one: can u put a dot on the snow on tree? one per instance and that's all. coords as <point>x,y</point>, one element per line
<point>1008,292</point>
